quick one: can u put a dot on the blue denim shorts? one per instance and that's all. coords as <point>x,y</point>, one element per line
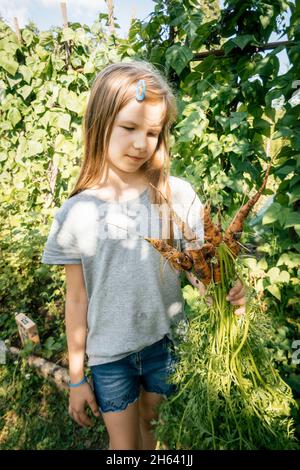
<point>117,384</point>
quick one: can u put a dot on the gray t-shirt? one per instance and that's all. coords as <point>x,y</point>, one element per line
<point>134,296</point>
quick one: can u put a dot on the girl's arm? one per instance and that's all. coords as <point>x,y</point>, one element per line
<point>76,331</point>
<point>76,320</point>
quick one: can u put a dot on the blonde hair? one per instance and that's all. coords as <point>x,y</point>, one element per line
<point>111,90</point>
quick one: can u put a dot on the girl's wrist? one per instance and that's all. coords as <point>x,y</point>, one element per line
<point>77,384</point>
<point>76,377</point>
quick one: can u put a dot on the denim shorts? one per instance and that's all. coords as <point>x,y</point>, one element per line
<point>117,384</point>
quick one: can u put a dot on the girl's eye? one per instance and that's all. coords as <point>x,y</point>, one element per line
<point>132,129</point>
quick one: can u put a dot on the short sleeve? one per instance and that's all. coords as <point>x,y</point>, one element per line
<point>61,245</point>
<point>193,216</point>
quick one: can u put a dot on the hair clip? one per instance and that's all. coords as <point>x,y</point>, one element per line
<point>140,90</point>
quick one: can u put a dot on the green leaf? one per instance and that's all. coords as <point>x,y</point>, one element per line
<point>190,294</point>
<point>27,36</point>
<point>34,148</point>
<point>69,99</point>
<point>14,116</point>
<point>293,380</point>
<point>274,289</point>
<point>178,57</point>
<point>61,120</point>
<point>8,63</point>
<point>263,126</point>
<point>243,40</point>
<point>68,34</point>
<point>240,41</point>
<point>276,275</point>
<point>267,18</point>
<point>25,91</point>
<point>262,264</point>
<point>293,219</point>
<point>291,260</point>
<point>26,72</point>
<point>272,214</point>
<point>237,118</point>
<point>89,67</point>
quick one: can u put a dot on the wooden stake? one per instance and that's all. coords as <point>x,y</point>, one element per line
<point>110,6</point>
<point>63,8</point>
<point>133,13</point>
<point>18,32</point>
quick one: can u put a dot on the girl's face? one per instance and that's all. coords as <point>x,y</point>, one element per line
<point>135,134</point>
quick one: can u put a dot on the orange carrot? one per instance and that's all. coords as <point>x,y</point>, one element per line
<point>217,272</point>
<point>208,250</point>
<point>176,258</point>
<point>212,233</point>
<point>236,226</point>
<point>202,269</point>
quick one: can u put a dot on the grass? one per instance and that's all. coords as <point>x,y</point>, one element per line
<point>34,414</point>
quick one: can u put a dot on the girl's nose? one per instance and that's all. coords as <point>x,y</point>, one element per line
<point>140,141</point>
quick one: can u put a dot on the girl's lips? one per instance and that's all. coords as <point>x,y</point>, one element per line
<point>136,159</point>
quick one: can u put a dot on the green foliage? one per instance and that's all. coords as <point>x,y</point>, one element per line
<point>34,414</point>
<point>43,97</point>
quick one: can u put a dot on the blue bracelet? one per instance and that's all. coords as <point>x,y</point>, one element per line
<point>85,379</point>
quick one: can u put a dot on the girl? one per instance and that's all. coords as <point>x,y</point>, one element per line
<point>122,305</point>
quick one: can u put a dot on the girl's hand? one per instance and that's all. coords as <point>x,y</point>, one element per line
<point>78,398</point>
<point>236,295</point>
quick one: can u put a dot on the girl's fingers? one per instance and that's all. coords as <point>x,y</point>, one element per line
<point>94,407</point>
<point>238,296</point>
<point>240,311</point>
<point>241,301</point>
<point>236,292</point>
<point>238,286</point>
<point>84,420</point>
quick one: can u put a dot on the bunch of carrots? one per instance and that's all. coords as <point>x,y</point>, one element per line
<point>230,397</point>
<point>205,261</point>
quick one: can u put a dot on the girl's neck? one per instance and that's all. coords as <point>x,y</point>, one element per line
<point>122,181</point>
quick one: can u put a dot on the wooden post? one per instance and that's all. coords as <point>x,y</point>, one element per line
<point>63,8</point>
<point>110,6</point>
<point>51,176</point>
<point>133,13</point>
<point>18,32</point>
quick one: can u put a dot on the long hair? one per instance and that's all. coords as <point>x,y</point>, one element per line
<point>111,90</point>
